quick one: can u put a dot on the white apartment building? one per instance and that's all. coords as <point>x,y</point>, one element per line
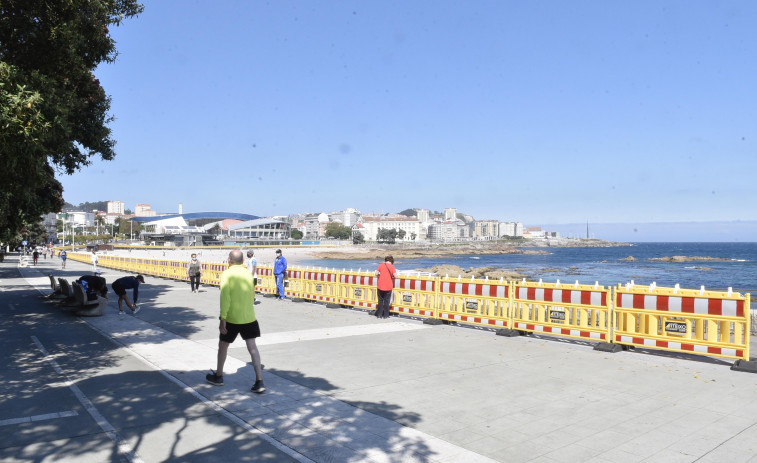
<point>452,230</point>
<point>370,225</point>
<point>347,217</point>
<point>315,225</point>
<point>511,229</point>
<point>450,213</point>
<point>115,207</point>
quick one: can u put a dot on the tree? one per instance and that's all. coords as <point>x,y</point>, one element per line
<point>296,234</point>
<point>358,238</point>
<point>338,231</point>
<point>408,213</point>
<point>386,235</point>
<point>53,111</point>
<point>401,234</point>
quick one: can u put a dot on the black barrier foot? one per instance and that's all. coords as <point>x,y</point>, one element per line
<point>298,299</point>
<point>432,321</point>
<point>608,347</point>
<point>331,305</point>
<point>744,365</point>
<point>508,333</point>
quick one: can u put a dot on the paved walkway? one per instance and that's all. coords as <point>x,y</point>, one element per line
<point>343,386</point>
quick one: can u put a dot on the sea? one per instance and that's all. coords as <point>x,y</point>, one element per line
<point>607,266</point>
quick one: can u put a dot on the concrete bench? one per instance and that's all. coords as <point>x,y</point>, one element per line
<point>89,308</point>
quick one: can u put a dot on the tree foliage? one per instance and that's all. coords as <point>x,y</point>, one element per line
<point>387,235</point>
<point>53,111</point>
<point>296,234</point>
<point>408,213</point>
<point>338,231</point>
<point>358,238</point>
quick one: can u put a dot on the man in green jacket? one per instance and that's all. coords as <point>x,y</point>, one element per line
<point>237,317</point>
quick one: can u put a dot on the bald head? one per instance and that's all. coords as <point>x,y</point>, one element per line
<point>236,257</point>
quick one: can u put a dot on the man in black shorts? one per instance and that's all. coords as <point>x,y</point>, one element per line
<point>237,317</point>
<point>121,285</point>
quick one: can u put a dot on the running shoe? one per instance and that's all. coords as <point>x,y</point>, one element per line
<point>258,387</point>
<point>214,379</point>
<point>136,310</point>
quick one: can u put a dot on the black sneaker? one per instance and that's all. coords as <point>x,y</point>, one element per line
<point>214,379</point>
<point>258,387</point>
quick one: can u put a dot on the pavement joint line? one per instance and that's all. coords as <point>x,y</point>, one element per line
<point>317,334</point>
<point>123,447</point>
<point>46,416</point>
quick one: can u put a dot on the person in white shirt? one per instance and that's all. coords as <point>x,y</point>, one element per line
<point>94,262</point>
<point>252,266</point>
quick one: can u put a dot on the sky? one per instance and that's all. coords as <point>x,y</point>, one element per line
<point>541,112</point>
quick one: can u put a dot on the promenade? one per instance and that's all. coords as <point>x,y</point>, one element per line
<point>341,387</point>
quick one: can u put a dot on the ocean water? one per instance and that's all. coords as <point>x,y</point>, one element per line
<point>605,265</point>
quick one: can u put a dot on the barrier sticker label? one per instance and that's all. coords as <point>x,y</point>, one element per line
<point>472,305</point>
<point>407,298</point>
<point>319,287</point>
<point>358,292</point>
<point>557,315</point>
<point>675,327</point>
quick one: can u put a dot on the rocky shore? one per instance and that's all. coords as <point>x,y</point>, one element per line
<point>403,251</point>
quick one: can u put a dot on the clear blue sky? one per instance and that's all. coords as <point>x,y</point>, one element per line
<point>543,112</point>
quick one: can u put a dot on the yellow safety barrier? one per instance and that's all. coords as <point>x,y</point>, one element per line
<point>576,311</point>
<point>320,285</point>
<point>479,302</point>
<point>357,289</point>
<point>683,320</point>
<point>415,295</point>
<point>293,283</point>
<point>266,280</point>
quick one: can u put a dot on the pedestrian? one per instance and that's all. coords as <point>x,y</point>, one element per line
<point>194,270</point>
<point>94,286</point>
<point>252,266</point>
<point>63,255</point>
<point>386,274</point>
<point>279,270</point>
<point>35,256</point>
<point>121,285</point>
<point>94,260</point>
<point>237,317</point>
<point>44,253</point>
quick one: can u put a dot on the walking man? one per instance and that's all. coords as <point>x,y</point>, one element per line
<point>63,257</point>
<point>121,285</point>
<point>279,270</point>
<point>237,317</point>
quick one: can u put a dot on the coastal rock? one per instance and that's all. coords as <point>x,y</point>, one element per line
<point>629,259</point>
<point>688,259</point>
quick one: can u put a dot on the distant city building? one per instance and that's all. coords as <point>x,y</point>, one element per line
<point>315,225</point>
<point>486,229</point>
<point>451,230</point>
<point>370,225</point>
<point>423,215</point>
<point>347,217</point>
<point>512,229</point>
<point>261,229</point>
<point>450,213</point>
<point>116,207</point>
<point>143,210</point>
